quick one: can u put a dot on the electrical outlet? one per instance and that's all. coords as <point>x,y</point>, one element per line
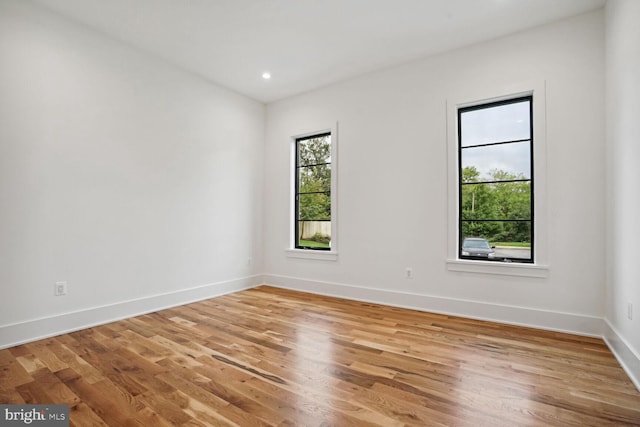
<point>249,261</point>
<point>60,289</point>
<point>630,310</point>
<point>408,273</point>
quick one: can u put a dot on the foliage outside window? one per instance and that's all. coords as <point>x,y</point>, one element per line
<point>496,180</point>
<point>313,192</point>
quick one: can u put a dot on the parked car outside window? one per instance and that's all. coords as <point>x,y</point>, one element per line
<point>477,247</point>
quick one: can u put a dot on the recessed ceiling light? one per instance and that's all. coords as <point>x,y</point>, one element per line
<point>266,75</point>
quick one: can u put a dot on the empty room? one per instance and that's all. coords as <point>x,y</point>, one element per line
<point>319,213</point>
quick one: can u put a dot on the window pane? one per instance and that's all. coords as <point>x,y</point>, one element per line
<point>493,211</point>
<point>313,192</point>
<point>512,240</point>
<point>314,234</point>
<point>508,122</point>
<point>497,162</point>
<point>314,206</point>
<point>313,151</point>
<point>503,201</point>
<point>314,178</point>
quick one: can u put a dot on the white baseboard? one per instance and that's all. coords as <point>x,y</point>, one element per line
<point>628,358</point>
<point>32,330</point>
<point>522,316</point>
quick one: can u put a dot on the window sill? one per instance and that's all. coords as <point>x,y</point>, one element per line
<point>311,254</point>
<point>506,269</point>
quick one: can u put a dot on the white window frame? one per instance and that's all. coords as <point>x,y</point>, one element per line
<point>539,268</point>
<point>292,251</point>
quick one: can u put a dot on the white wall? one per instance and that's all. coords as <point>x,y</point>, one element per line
<point>392,187</point>
<point>623,176</point>
<point>137,183</point>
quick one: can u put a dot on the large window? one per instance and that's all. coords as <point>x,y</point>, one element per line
<point>313,192</point>
<point>495,167</point>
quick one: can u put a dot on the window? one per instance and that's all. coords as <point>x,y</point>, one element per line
<point>313,187</point>
<point>495,181</point>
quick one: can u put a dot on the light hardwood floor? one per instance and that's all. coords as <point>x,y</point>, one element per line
<point>272,357</point>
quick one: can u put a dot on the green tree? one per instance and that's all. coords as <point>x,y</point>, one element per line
<point>514,202</point>
<point>496,197</point>
<point>315,155</point>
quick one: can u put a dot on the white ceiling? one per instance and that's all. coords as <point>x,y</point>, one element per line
<point>306,44</point>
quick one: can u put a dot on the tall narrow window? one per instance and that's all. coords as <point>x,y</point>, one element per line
<point>313,192</point>
<point>495,155</point>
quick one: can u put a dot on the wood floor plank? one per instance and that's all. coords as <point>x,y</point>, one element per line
<point>106,406</point>
<point>276,357</point>
<point>42,351</point>
<point>12,373</point>
<point>34,392</point>
<point>57,391</point>
<point>81,415</point>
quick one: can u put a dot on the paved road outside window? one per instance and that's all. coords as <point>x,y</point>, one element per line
<point>502,252</point>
